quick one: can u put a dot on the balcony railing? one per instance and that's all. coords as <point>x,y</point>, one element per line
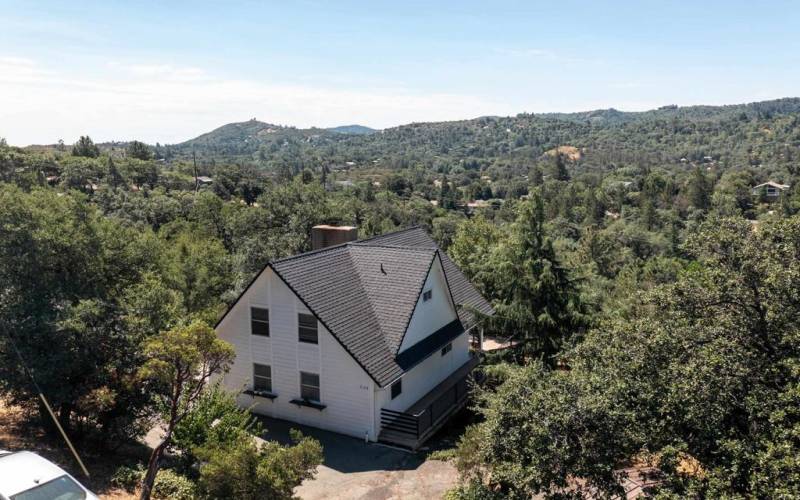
<point>413,426</point>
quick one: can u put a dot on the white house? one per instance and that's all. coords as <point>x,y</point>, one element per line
<point>369,338</point>
<point>770,189</point>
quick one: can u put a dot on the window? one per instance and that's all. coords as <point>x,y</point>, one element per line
<point>61,487</point>
<point>259,321</point>
<point>307,328</point>
<point>309,386</point>
<point>447,348</point>
<point>262,378</point>
<point>427,295</point>
<point>397,388</point>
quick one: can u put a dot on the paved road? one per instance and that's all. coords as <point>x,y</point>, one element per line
<point>354,469</point>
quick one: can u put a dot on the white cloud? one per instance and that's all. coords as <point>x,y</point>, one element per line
<point>168,104</point>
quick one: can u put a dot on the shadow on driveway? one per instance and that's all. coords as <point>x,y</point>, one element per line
<point>343,453</point>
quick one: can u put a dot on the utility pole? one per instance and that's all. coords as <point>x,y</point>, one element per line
<point>196,182</point>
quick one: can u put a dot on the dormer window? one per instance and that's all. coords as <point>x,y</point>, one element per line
<point>427,295</point>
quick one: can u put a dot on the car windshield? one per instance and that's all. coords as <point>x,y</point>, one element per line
<point>60,488</point>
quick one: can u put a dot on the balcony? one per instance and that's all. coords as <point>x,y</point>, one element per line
<point>412,427</point>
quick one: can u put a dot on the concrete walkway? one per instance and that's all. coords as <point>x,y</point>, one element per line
<point>354,469</point>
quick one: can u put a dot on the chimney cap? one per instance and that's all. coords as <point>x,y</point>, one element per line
<point>329,227</point>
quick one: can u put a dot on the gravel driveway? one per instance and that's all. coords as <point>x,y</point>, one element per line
<point>354,469</point>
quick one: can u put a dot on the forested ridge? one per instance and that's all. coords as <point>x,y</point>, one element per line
<point>650,293</point>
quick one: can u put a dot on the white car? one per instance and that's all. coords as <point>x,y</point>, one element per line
<point>27,476</point>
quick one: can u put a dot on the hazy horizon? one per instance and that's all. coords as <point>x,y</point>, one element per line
<point>170,72</point>
<point>122,139</point>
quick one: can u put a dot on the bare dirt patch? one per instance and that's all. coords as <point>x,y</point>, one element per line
<point>19,431</point>
<point>570,152</point>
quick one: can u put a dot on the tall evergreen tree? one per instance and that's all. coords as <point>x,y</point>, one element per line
<point>139,150</point>
<point>539,302</point>
<point>699,190</point>
<point>114,177</point>
<point>560,171</point>
<point>85,147</point>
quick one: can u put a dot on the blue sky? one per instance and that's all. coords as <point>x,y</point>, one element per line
<point>167,71</point>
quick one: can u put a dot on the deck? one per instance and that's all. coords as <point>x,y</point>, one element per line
<point>412,427</point>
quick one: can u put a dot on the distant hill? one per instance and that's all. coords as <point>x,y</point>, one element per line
<point>352,129</point>
<point>236,140</point>
<point>741,134</point>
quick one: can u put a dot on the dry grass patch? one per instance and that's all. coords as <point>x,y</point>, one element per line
<point>19,431</point>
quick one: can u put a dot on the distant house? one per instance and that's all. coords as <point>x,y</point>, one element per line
<point>772,190</point>
<point>345,183</point>
<point>204,181</point>
<point>369,338</point>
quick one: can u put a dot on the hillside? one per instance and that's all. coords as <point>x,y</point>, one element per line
<point>743,134</point>
<point>352,129</point>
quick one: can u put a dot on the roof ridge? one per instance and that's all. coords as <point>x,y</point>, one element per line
<point>420,288</point>
<point>310,252</point>
<point>411,228</point>
<point>375,316</point>
<point>361,242</point>
<point>391,245</point>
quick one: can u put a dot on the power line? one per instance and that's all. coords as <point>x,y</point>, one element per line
<point>29,373</point>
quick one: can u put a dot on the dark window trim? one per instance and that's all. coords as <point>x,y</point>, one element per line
<point>447,348</point>
<point>261,321</point>
<point>260,394</point>
<point>399,385</point>
<point>309,404</point>
<point>318,387</point>
<point>301,328</point>
<point>262,377</point>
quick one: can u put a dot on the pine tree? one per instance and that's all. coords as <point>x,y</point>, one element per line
<point>560,171</point>
<point>85,147</point>
<point>699,190</point>
<point>138,150</point>
<point>540,303</point>
<point>114,177</point>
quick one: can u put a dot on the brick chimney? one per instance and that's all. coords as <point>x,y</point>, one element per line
<point>325,236</point>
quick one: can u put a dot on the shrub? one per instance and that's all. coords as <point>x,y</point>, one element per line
<point>169,484</point>
<point>215,420</point>
<point>247,470</point>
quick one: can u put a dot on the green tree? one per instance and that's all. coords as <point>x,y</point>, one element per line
<point>138,150</point>
<point>537,301</point>
<point>250,470</point>
<point>85,147</point>
<point>50,301</point>
<point>699,190</point>
<point>216,420</point>
<point>180,362</point>
<point>559,169</point>
<point>702,376</point>
<point>115,179</point>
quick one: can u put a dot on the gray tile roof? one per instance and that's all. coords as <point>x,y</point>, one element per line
<point>365,292</point>
<point>464,293</point>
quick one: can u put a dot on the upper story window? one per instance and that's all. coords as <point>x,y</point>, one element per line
<point>309,386</point>
<point>427,295</point>
<point>259,321</point>
<point>262,378</point>
<point>307,328</point>
<point>397,388</point>
<point>447,348</point>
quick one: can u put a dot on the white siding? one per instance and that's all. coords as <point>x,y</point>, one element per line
<point>433,314</point>
<point>425,376</point>
<point>345,388</point>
